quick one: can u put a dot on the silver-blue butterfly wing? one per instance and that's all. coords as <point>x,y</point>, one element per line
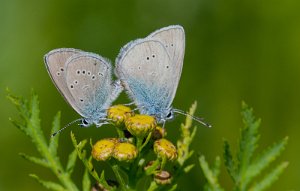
<point>90,91</point>
<point>89,80</point>
<point>173,38</point>
<point>150,69</point>
<point>55,64</point>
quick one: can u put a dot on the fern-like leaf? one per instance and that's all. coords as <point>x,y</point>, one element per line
<point>270,178</point>
<point>35,160</point>
<point>264,160</point>
<point>71,162</point>
<point>229,162</point>
<point>210,175</point>
<point>53,144</point>
<point>86,182</point>
<point>48,184</point>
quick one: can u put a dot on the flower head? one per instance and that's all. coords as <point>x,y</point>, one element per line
<point>125,151</point>
<point>119,113</point>
<point>159,133</point>
<point>140,125</point>
<point>103,149</point>
<point>165,149</point>
<point>163,177</point>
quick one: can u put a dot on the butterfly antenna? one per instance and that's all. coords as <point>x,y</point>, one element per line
<point>199,120</point>
<point>65,127</point>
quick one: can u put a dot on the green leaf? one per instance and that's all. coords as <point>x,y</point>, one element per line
<point>216,167</point>
<point>88,162</point>
<point>249,138</point>
<point>188,168</point>
<point>209,175</point>
<point>264,160</point>
<point>71,162</point>
<point>86,182</point>
<point>48,184</point>
<point>30,124</point>
<point>173,188</point>
<point>153,168</point>
<point>229,162</point>
<point>270,178</point>
<point>35,160</point>
<point>53,144</point>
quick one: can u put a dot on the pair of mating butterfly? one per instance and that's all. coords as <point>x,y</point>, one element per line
<point>149,69</point>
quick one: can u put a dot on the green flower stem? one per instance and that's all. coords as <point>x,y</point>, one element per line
<point>120,131</point>
<point>153,186</point>
<point>163,163</point>
<point>146,142</point>
<point>116,169</point>
<point>55,165</point>
<point>139,143</point>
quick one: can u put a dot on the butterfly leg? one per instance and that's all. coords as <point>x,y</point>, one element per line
<point>128,104</point>
<point>102,123</point>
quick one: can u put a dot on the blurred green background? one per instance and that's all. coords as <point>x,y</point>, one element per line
<point>235,50</point>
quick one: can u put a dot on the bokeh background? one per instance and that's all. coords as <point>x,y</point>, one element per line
<point>235,50</point>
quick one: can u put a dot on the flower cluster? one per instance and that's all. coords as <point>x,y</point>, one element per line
<point>139,135</point>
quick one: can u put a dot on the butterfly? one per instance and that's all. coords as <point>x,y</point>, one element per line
<point>84,80</point>
<point>150,70</point>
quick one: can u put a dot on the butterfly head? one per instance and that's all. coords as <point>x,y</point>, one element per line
<point>85,122</point>
<point>165,115</point>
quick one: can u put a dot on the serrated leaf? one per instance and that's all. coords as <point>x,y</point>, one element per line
<point>48,184</point>
<point>35,160</point>
<point>71,162</point>
<point>249,135</point>
<point>247,144</point>
<point>53,144</point>
<point>88,162</point>
<point>263,160</point>
<point>216,167</point>
<point>229,162</point>
<point>19,125</point>
<point>188,168</point>
<point>209,175</point>
<point>270,178</point>
<point>174,187</point>
<point>86,182</point>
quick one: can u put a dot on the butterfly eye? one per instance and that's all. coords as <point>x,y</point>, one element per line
<point>170,115</point>
<point>84,123</point>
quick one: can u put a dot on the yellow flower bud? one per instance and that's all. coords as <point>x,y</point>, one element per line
<point>119,113</point>
<point>125,151</point>
<point>103,149</point>
<point>163,177</point>
<point>140,125</point>
<point>165,149</point>
<point>158,133</point>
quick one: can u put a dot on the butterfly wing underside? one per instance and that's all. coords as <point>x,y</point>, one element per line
<point>173,38</point>
<point>89,81</point>
<point>55,63</point>
<point>150,68</point>
<point>146,72</point>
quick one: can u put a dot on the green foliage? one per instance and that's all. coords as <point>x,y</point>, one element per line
<point>129,176</point>
<point>29,123</point>
<point>244,169</point>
